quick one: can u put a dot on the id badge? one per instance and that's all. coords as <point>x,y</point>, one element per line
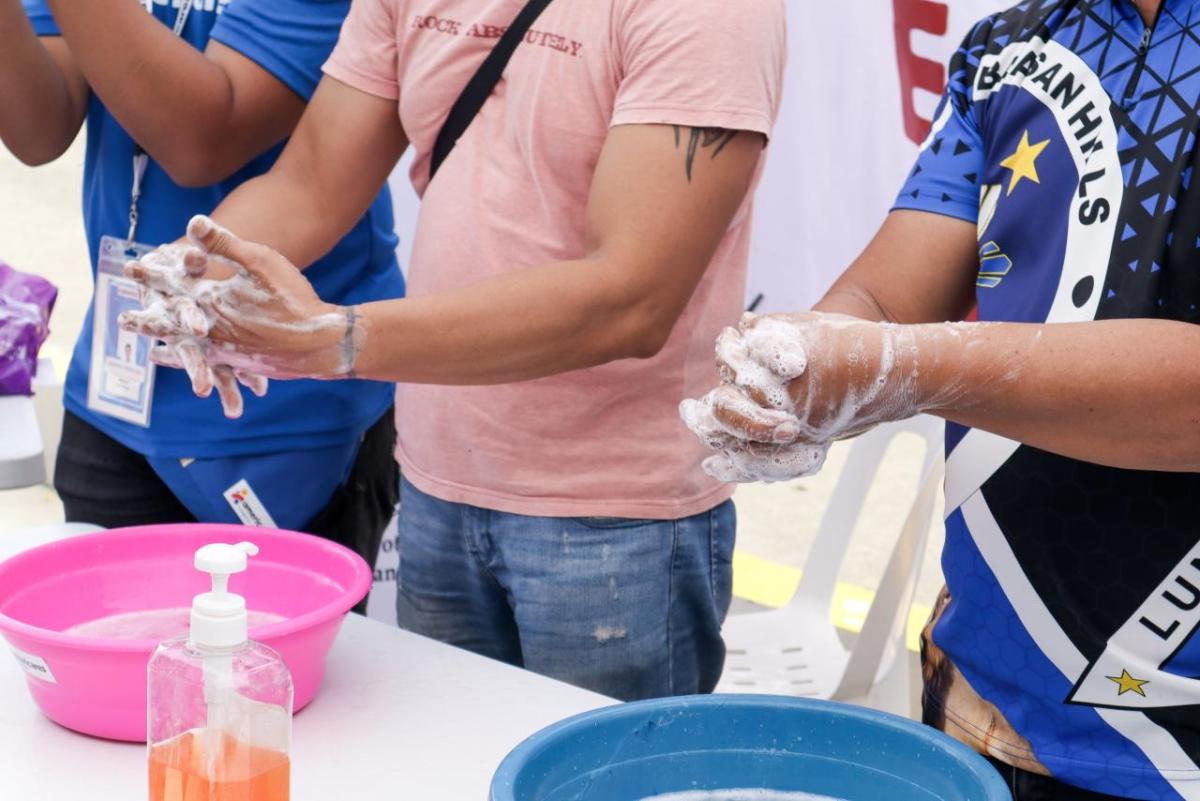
<point>121,380</point>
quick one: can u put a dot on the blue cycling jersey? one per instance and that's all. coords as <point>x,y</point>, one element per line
<point>1063,643</point>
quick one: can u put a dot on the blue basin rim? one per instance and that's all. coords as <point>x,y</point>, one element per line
<point>951,756</point>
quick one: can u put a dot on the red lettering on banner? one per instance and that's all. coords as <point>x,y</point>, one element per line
<point>917,72</point>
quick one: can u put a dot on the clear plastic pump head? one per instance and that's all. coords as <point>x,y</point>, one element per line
<point>219,617</point>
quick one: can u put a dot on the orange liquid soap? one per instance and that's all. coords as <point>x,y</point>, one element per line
<point>179,771</point>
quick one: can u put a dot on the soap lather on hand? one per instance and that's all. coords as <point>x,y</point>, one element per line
<point>794,383</point>
<point>231,312</point>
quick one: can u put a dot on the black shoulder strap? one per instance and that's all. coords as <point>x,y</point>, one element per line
<point>480,87</point>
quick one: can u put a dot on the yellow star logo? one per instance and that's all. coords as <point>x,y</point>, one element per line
<point>1126,683</point>
<point>1023,162</point>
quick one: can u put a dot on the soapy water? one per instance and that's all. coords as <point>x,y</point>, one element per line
<point>740,795</point>
<point>153,624</point>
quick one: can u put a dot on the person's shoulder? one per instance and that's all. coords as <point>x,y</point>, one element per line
<point>718,13</point>
<point>1015,26</point>
<point>1022,22</point>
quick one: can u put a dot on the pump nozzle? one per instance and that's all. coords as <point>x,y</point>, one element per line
<point>223,560</point>
<point>219,617</point>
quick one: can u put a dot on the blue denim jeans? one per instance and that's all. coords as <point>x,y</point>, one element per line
<point>628,608</point>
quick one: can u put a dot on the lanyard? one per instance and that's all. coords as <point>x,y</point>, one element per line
<point>140,159</point>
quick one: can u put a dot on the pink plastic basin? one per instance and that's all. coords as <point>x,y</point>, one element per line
<point>98,686</point>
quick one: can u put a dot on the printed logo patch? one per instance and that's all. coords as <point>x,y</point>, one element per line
<point>247,506</point>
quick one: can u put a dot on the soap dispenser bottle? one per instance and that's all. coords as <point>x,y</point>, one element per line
<point>220,705</point>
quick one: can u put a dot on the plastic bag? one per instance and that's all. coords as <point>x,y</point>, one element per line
<point>25,305</point>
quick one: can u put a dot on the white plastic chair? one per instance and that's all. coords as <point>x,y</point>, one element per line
<point>22,463</point>
<point>29,431</point>
<point>796,650</point>
<point>48,409</point>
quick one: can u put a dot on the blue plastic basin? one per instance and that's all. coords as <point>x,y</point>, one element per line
<point>633,751</point>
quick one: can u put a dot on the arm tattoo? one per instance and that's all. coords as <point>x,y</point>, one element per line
<point>703,139</point>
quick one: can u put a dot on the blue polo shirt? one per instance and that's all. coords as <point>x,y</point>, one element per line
<point>290,39</point>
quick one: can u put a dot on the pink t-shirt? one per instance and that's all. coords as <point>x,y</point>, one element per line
<point>605,441</point>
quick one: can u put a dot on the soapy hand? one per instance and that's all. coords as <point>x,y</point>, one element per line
<point>187,350</point>
<point>233,311</point>
<point>755,443</point>
<point>792,384</point>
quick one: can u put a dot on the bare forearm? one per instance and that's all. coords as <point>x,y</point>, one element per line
<point>278,211</point>
<point>1125,393</point>
<point>530,324</point>
<point>853,302</point>
<point>919,268</point>
<point>38,116</point>
<point>333,168</point>
<point>647,251</point>
<point>172,99</point>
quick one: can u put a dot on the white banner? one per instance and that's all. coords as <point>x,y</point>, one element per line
<point>863,80</point>
<point>382,603</point>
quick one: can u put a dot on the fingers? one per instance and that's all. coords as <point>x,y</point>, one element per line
<point>218,241</point>
<point>253,382</point>
<point>154,276</point>
<point>223,377</point>
<point>697,415</point>
<point>195,262</point>
<point>199,264</point>
<point>189,318</point>
<point>166,318</point>
<point>227,390</point>
<point>778,346</point>
<point>767,463</point>
<point>738,366</point>
<point>740,416</point>
<point>191,355</point>
<point>163,269</point>
<point>730,351</point>
<point>154,323</point>
<point>726,418</point>
<point>770,342</point>
<point>166,356</point>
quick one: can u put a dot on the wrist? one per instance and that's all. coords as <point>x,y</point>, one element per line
<point>342,344</point>
<point>313,345</point>
<point>955,366</point>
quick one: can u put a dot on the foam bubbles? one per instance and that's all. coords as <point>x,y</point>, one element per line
<point>833,376</point>
<point>766,464</point>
